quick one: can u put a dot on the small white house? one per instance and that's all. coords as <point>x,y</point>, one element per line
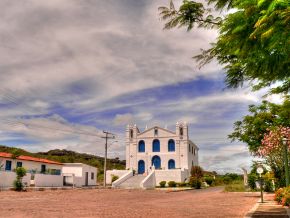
<point>40,172</point>
<point>79,174</point>
<point>45,173</point>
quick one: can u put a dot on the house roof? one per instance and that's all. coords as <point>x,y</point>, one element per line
<point>28,158</point>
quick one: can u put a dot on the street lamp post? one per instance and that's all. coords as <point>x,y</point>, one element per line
<point>285,147</point>
<point>260,170</point>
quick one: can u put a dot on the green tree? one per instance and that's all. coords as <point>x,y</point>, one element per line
<point>197,172</point>
<point>261,119</point>
<point>253,127</point>
<point>253,43</point>
<point>18,185</point>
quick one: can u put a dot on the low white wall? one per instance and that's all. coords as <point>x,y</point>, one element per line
<point>176,175</point>
<point>118,173</point>
<point>185,174</point>
<point>149,181</point>
<point>122,179</point>
<point>44,180</point>
<point>7,178</point>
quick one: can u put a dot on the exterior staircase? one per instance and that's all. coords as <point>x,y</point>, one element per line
<point>133,182</point>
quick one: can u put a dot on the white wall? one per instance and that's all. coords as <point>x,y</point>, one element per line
<point>118,173</point>
<point>30,165</point>
<point>79,170</point>
<point>176,175</point>
<point>7,178</point>
<point>44,180</point>
<point>90,170</point>
<point>149,181</point>
<point>72,169</point>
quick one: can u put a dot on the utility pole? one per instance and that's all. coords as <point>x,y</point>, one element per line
<point>106,152</point>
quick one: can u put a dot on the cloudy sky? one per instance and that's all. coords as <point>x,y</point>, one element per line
<point>70,69</point>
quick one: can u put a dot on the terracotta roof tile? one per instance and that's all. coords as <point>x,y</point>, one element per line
<point>28,158</point>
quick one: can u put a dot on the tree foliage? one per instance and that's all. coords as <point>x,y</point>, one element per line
<point>253,43</point>
<point>196,172</point>
<point>261,120</point>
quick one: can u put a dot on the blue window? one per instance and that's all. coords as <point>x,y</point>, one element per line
<point>141,146</point>
<point>171,164</point>
<point>8,165</point>
<point>156,162</point>
<point>156,145</point>
<point>19,164</point>
<point>141,167</point>
<point>171,145</point>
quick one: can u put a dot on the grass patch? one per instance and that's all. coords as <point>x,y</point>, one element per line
<point>236,186</point>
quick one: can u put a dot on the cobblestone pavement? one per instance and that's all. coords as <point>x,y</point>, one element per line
<point>269,208</point>
<point>104,203</point>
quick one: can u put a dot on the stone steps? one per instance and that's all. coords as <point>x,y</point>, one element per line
<point>133,182</point>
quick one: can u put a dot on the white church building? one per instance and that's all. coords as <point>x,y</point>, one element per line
<point>157,154</point>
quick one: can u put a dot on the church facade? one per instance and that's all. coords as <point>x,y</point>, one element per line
<point>160,149</point>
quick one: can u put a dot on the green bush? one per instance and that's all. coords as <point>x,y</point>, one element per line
<point>209,180</point>
<point>17,184</point>
<point>195,182</point>
<point>252,178</point>
<point>172,184</point>
<point>114,178</point>
<point>162,184</point>
<point>182,184</point>
<point>268,186</point>
<point>20,172</point>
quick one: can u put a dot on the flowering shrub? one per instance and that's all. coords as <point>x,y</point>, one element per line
<point>272,140</point>
<point>282,196</point>
<point>279,195</point>
<point>286,200</point>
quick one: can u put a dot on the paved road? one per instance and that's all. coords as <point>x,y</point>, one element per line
<point>210,202</point>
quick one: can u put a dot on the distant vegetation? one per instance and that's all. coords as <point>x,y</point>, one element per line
<point>65,156</point>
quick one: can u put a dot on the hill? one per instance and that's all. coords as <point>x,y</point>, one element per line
<point>66,156</point>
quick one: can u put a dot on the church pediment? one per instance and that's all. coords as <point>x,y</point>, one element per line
<point>151,132</point>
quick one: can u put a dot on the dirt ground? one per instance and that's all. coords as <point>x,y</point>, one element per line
<point>210,202</point>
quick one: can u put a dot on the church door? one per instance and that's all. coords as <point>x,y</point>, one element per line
<point>156,161</point>
<point>141,167</point>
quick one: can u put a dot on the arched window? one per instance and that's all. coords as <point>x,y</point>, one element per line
<point>171,145</point>
<point>181,131</point>
<point>141,146</point>
<point>155,132</point>
<point>156,145</point>
<point>194,152</point>
<point>189,148</point>
<point>141,167</point>
<point>131,133</point>
<point>156,162</point>
<point>171,164</point>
